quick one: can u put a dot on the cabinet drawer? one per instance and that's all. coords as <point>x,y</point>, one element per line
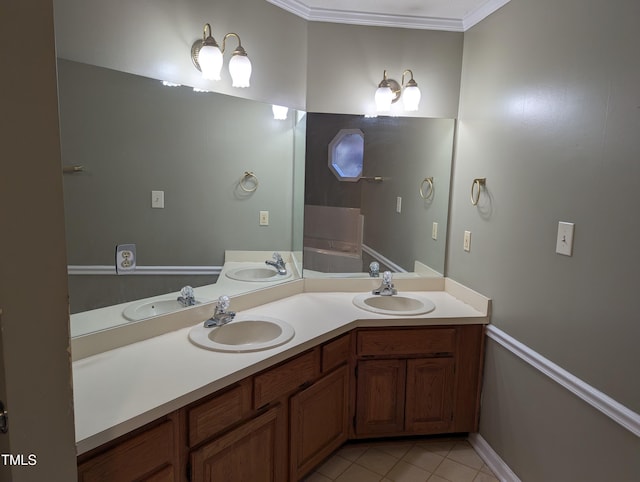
<point>336,352</point>
<point>418,341</point>
<point>132,459</point>
<point>278,381</point>
<point>212,416</point>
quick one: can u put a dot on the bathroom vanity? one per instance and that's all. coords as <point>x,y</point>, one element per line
<point>164,409</point>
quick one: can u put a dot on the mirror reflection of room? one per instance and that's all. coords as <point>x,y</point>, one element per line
<point>380,214</point>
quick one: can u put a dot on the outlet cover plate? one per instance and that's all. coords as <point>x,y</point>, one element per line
<point>125,258</point>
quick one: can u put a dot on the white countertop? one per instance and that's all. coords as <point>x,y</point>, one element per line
<point>124,388</point>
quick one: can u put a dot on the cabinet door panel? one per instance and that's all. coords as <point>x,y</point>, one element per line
<point>380,397</point>
<point>319,421</point>
<point>249,453</point>
<point>430,384</point>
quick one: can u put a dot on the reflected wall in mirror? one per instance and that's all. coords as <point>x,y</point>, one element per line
<point>133,135</point>
<point>385,216</point>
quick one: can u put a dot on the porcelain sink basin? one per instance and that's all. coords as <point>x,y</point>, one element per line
<point>397,305</point>
<point>257,274</point>
<point>244,334</point>
<point>147,309</point>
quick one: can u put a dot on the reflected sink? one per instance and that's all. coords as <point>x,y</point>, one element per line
<point>147,309</point>
<point>397,305</point>
<point>244,334</point>
<point>257,274</point>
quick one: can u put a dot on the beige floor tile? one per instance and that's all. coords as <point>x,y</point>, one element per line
<point>377,461</point>
<point>437,478</point>
<point>423,458</point>
<point>482,477</point>
<point>333,467</point>
<point>406,472</point>
<point>352,451</point>
<point>398,450</point>
<point>317,477</point>
<point>464,453</point>
<point>455,471</point>
<point>485,468</point>
<point>441,448</point>
<point>357,473</point>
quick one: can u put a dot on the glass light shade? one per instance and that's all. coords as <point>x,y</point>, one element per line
<point>210,61</point>
<point>240,70</point>
<point>383,99</point>
<point>411,98</point>
<point>279,112</point>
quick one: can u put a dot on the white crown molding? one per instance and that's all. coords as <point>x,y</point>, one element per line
<point>594,397</point>
<point>384,20</point>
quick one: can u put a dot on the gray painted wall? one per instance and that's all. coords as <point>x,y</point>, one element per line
<point>550,115</point>
<point>346,64</point>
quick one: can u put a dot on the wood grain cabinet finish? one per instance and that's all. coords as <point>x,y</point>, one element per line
<point>319,421</point>
<point>418,380</point>
<point>253,452</point>
<point>148,456</point>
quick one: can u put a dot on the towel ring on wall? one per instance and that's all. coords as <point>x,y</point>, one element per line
<point>429,182</point>
<point>475,189</point>
<point>249,182</point>
<point>72,169</point>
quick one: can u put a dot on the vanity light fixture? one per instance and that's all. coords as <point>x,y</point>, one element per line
<point>389,91</point>
<point>279,112</point>
<point>207,58</point>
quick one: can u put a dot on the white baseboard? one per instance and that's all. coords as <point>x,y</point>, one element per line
<point>499,468</point>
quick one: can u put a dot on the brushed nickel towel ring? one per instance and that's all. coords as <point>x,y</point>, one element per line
<point>475,189</point>
<point>429,182</point>
<point>249,182</point>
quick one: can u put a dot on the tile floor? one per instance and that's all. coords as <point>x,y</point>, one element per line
<point>408,460</point>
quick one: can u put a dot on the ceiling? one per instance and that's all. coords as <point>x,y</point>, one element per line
<point>453,15</point>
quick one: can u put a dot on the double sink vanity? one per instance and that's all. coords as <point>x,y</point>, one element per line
<point>303,367</point>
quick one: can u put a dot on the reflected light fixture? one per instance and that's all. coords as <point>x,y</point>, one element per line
<point>389,91</point>
<point>206,55</point>
<point>279,112</point>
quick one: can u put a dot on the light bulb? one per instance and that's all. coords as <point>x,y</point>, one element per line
<point>210,61</point>
<point>240,70</point>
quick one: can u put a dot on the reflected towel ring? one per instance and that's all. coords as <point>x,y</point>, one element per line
<point>249,177</point>
<point>429,182</point>
<point>475,193</point>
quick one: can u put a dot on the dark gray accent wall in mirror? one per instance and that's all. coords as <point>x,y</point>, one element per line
<point>397,222</point>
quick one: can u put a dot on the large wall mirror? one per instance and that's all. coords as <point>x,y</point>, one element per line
<point>133,136</point>
<point>219,161</point>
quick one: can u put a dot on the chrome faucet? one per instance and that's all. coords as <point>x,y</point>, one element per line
<point>221,316</point>
<point>278,263</point>
<point>187,298</point>
<point>374,269</point>
<point>386,288</point>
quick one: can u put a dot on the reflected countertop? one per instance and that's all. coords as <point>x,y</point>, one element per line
<point>124,388</point>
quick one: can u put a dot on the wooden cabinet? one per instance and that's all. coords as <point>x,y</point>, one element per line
<point>417,380</point>
<point>319,421</point>
<point>147,455</point>
<point>253,452</point>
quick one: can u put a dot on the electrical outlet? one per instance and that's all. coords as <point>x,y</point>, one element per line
<point>434,231</point>
<point>564,242</point>
<point>467,241</point>
<point>264,218</point>
<point>125,257</point>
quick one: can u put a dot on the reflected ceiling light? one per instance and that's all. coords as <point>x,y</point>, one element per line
<point>207,58</point>
<point>168,83</point>
<point>389,91</point>
<point>279,112</point>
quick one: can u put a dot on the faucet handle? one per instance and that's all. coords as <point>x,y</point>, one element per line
<point>374,269</point>
<point>187,292</point>
<point>223,303</point>
<point>386,277</point>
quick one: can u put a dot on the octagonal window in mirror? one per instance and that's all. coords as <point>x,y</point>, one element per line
<point>346,154</point>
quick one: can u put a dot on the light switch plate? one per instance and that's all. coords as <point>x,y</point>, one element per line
<point>564,243</point>
<point>434,231</point>
<point>157,199</point>
<point>467,241</point>
<point>264,218</point>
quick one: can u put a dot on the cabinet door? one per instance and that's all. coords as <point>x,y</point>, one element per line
<point>253,452</point>
<point>380,397</point>
<point>319,421</point>
<point>429,405</point>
